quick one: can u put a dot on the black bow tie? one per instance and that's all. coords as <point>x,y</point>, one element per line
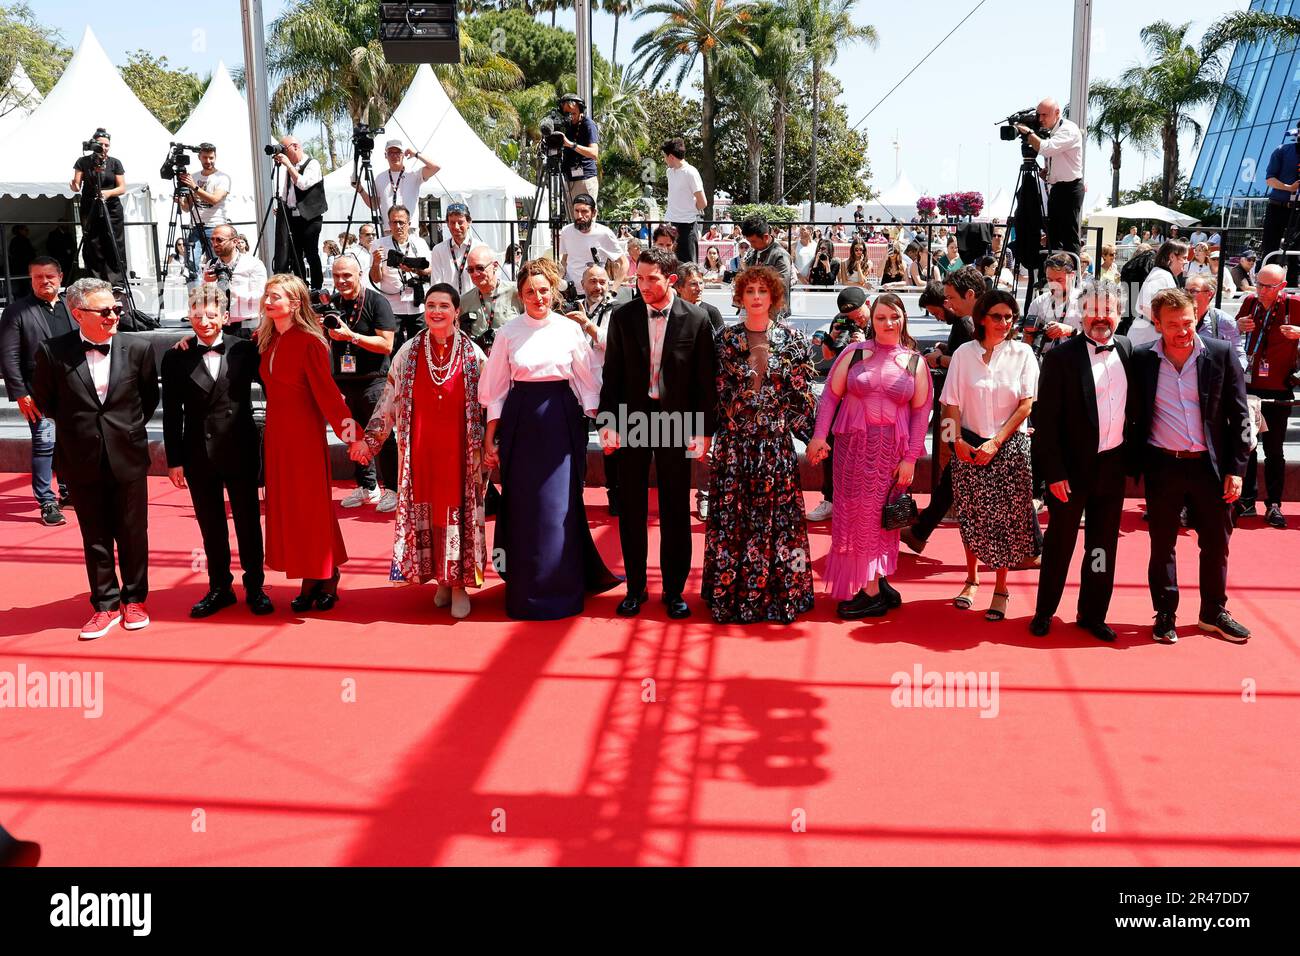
<point>1101,348</point>
<point>219,348</point>
<point>101,348</point>
<point>658,313</point>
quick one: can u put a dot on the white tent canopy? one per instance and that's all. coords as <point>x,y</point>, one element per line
<point>898,200</point>
<point>221,118</point>
<point>470,172</point>
<point>999,207</point>
<point>19,100</point>
<point>1146,209</point>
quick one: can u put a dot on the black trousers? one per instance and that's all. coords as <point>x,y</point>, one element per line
<point>673,471</point>
<point>686,237</point>
<point>1102,503</point>
<point>1276,216</point>
<point>362,395</point>
<point>828,470</point>
<point>1274,441</point>
<point>408,325</point>
<point>208,492</point>
<point>940,502</point>
<point>114,513</point>
<point>103,249</point>
<point>306,245</point>
<point>1170,482</point>
<point>1064,206</point>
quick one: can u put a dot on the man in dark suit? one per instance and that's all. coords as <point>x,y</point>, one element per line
<point>101,389</point>
<point>212,444</point>
<point>1079,447</point>
<point>1188,438</point>
<point>690,284</point>
<point>658,402</point>
<point>25,324</point>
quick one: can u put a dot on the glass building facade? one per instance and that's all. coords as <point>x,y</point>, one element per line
<point>1230,167</point>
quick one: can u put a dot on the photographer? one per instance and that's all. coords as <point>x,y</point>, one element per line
<point>1054,315</point>
<point>397,185</point>
<point>104,243</point>
<point>399,268</point>
<point>207,200</point>
<point>581,150</point>
<point>585,242</point>
<point>241,276</point>
<point>361,325</point>
<point>302,196</point>
<point>1062,147</point>
<point>449,258</point>
<point>825,268</point>
<point>491,303</point>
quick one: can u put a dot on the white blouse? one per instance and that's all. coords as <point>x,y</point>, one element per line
<point>989,394</point>
<point>554,349</point>
<point>1143,329</point>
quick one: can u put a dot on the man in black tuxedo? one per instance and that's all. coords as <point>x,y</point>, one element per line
<point>1079,447</point>
<point>101,389</point>
<point>25,324</point>
<point>1188,438</point>
<point>659,385</point>
<point>212,444</point>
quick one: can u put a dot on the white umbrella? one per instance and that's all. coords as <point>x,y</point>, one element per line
<point>1146,209</point>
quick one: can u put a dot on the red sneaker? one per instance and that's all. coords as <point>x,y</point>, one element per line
<point>134,617</point>
<point>100,623</point>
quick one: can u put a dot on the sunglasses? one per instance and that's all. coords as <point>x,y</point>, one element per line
<point>1000,316</point>
<point>474,270</point>
<point>105,313</point>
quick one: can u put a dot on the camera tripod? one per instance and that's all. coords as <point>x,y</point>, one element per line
<point>101,222</point>
<point>1028,216</point>
<point>276,202</point>
<point>364,174</point>
<point>551,196</point>
<point>175,223</point>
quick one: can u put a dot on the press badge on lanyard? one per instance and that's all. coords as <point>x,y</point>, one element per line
<point>576,173</point>
<point>348,363</point>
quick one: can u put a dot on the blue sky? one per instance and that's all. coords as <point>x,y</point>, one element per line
<point>1006,57</point>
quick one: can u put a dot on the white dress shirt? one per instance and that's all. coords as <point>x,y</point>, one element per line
<point>658,325</point>
<point>1112,392</point>
<point>1063,153</point>
<point>212,360</point>
<point>449,264</point>
<point>247,283</point>
<point>989,394</point>
<point>309,177</point>
<point>402,297</point>
<point>553,349</point>
<point>1143,329</point>
<point>100,366</point>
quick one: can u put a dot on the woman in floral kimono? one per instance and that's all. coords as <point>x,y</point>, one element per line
<point>431,399</point>
<point>756,562</point>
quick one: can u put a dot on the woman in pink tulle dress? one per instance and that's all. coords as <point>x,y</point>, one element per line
<point>877,403</point>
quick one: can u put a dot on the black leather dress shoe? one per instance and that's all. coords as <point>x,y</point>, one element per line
<point>890,593</point>
<point>864,605</point>
<point>1164,631</point>
<point>259,602</point>
<point>630,606</point>
<point>1040,625</point>
<point>677,606</point>
<point>1098,629</point>
<point>213,602</point>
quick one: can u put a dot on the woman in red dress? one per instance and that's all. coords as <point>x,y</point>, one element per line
<point>302,534</point>
<point>431,401</point>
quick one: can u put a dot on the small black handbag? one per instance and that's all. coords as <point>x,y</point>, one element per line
<point>899,513</point>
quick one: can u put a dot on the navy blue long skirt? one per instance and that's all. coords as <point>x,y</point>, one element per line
<point>549,559</point>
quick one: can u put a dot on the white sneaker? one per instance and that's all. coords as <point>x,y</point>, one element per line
<point>387,501</point>
<point>822,512</point>
<point>361,497</point>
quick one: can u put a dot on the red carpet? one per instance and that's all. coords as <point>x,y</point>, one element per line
<point>488,741</point>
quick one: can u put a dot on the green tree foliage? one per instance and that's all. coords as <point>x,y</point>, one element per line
<point>168,94</point>
<point>39,48</point>
<point>544,54</point>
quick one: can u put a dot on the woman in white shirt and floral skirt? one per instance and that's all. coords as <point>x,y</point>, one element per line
<point>989,390</point>
<point>537,383</point>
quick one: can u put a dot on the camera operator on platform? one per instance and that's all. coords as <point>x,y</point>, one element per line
<point>401,282</point>
<point>1283,180</point>
<point>207,199</point>
<point>397,185</point>
<point>104,246</point>
<point>1062,149</point>
<point>241,275</point>
<point>303,194</point>
<point>581,149</point>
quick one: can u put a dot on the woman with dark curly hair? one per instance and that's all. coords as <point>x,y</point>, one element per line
<point>756,559</point>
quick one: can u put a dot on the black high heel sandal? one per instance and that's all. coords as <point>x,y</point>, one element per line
<point>307,596</point>
<point>327,594</point>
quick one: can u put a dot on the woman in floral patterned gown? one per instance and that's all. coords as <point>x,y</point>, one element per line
<point>756,559</point>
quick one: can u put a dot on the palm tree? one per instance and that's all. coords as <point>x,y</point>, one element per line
<point>747,103</point>
<point>617,9</point>
<point>1180,78</point>
<point>712,32</point>
<point>1116,114</point>
<point>551,6</point>
<point>782,62</point>
<point>480,86</point>
<point>826,24</point>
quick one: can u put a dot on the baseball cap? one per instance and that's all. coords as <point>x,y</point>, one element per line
<point>1248,253</point>
<point>850,298</point>
<point>458,207</point>
<point>585,200</point>
<point>393,144</point>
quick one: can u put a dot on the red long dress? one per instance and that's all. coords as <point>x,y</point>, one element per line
<point>438,472</point>
<point>302,534</point>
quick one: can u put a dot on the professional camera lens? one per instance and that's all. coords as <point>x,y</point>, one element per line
<point>274,149</point>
